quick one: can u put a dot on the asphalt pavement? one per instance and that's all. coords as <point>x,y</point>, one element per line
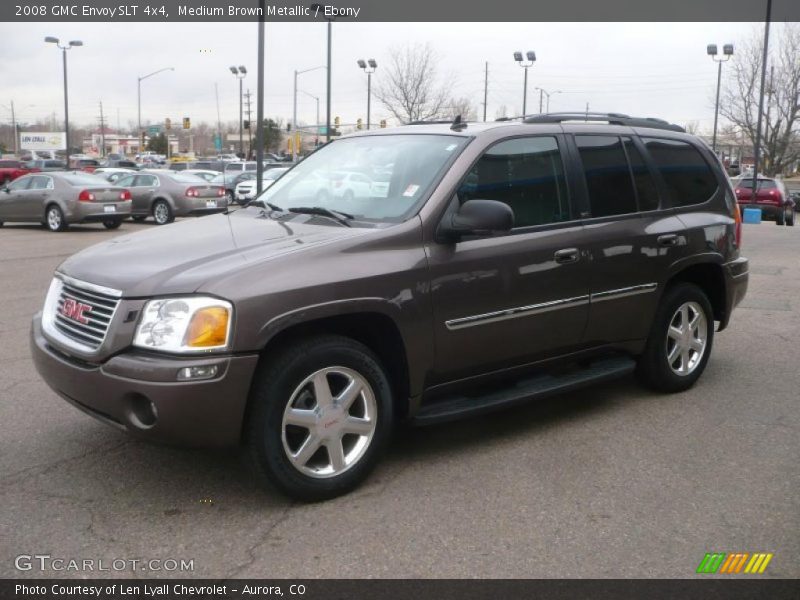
<point>611,481</point>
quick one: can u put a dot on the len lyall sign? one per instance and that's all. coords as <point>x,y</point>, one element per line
<point>43,140</point>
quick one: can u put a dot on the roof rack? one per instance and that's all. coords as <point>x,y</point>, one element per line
<point>610,118</point>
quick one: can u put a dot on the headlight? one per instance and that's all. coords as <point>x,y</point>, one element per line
<point>190,324</point>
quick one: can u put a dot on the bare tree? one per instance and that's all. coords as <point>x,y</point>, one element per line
<point>502,112</point>
<point>692,127</point>
<point>781,119</point>
<point>463,107</point>
<point>409,87</point>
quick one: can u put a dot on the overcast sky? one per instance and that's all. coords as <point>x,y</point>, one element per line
<point>658,69</point>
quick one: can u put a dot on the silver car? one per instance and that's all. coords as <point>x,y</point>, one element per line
<point>169,194</point>
<point>56,199</point>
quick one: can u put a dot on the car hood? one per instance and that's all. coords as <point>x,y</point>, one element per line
<point>181,257</point>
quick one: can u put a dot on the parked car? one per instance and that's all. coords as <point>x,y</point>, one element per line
<point>11,169</point>
<point>507,262</point>
<point>233,171</point>
<point>122,163</point>
<point>87,165</point>
<point>771,198</point>
<point>111,174</point>
<point>165,195</point>
<point>45,165</point>
<point>246,190</point>
<point>207,165</point>
<point>58,199</point>
<point>206,174</point>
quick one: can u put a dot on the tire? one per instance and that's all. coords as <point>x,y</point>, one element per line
<point>139,218</point>
<point>288,380</point>
<point>791,218</point>
<point>780,218</point>
<point>54,218</point>
<point>112,223</point>
<point>162,212</point>
<point>654,368</point>
<point>229,197</point>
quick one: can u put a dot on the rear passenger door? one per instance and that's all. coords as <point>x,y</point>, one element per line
<point>505,300</point>
<point>37,195</point>
<point>631,236</point>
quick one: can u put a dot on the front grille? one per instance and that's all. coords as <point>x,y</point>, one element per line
<point>89,326</point>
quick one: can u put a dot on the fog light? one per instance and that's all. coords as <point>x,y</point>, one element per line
<point>201,372</point>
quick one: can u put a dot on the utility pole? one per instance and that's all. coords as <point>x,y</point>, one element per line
<point>769,92</point>
<point>485,90</point>
<point>14,126</point>
<point>219,119</point>
<point>249,127</point>
<point>541,97</point>
<point>102,131</point>
<point>757,148</point>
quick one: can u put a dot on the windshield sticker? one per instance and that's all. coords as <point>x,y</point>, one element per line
<point>411,190</point>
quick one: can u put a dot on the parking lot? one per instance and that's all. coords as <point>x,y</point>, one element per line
<point>612,481</point>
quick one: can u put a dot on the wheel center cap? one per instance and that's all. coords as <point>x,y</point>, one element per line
<point>330,421</point>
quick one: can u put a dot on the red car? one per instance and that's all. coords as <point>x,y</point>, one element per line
<point>88,165</point>
<point>771,197</point>
<point>11,169</point>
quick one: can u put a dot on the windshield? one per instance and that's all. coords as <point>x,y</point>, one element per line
<point>381,177</point>
<point>763,184</point>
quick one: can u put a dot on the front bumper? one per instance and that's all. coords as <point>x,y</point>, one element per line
<point>737,276</point>
<point>139,392</point>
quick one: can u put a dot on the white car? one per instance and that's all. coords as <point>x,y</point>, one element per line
<point>246,190</point>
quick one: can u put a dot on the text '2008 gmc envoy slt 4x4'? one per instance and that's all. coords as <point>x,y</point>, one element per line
<point>391,275</point>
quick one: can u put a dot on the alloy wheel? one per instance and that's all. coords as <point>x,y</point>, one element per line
<point>329,422</point>
<point>687,338</point>
<point>54,219</point>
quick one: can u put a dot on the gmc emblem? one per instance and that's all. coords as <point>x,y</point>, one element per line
<point>75,310</point>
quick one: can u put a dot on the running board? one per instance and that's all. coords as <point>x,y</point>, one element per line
<point>540,386</point>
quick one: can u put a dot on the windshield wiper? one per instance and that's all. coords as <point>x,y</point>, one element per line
<point>336,215</point>
<point>266,204</point>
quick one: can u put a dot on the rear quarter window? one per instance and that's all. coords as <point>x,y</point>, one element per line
<point>687,176</point>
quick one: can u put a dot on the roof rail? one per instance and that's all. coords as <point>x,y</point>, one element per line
<point>610,118</point>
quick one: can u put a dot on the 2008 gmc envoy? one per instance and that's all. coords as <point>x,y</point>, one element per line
<point>391,275</point>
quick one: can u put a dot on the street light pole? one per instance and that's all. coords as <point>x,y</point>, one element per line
<point>531,56</point>
<point>294,111</point>
<point>369,68</point>
<point>548,94</point>
<point>727,52</point>
<point>316,141</point>
<point>139,101</point>
<point>240,73</point>
<point>74,43</point>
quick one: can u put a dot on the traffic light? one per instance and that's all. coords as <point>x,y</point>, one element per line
<point>359,124</point>
<point>167,123</point>
<point>336,122</point>
<point>383,123</point>
<point>288,127</point>
<point>187,123</point>
<point>246,124</point>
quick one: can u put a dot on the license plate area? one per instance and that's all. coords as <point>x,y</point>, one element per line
<point>110,208</point>
<point>211,204</point>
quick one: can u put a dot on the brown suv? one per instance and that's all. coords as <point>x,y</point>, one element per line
<point>467,268</point>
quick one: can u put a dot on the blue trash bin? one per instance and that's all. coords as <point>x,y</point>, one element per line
<point>752,215</point>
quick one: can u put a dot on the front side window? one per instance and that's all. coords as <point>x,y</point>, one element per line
<point>608,179</point>
<point>406,165</point>
<point>688,177</point>
<point>20,184</point>
<point>526,174</point>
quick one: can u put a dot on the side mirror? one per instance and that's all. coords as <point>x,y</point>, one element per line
<point>7,190</point>
<point>478,217</point>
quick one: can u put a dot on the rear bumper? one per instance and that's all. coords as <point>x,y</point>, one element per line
<point>737,276</point>
<point>767,210</point>
<point>96,211</point>
<point>119,392</point>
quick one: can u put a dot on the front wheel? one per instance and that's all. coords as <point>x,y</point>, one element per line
<point>321,415</point>
<point>162,212</point>
<point>680,340</point>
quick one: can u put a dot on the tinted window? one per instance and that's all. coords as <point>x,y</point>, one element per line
<point>57,164</point>
<point>646,191</point>
<point>687,175</point>
<point>608,179</point>
<point>525,173</point>
<point>763,184</point>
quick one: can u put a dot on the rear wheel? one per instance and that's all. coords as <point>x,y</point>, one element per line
<point>112,223</point>
<point>321,416</point>
<point>162,212</point>
<point>680,340</point>
<point>780,218</point>
<point>790,218</point>
<point>54,218</point>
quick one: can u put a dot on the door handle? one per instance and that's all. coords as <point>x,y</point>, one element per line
<point>668,239</point>
<point>567,255</point>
